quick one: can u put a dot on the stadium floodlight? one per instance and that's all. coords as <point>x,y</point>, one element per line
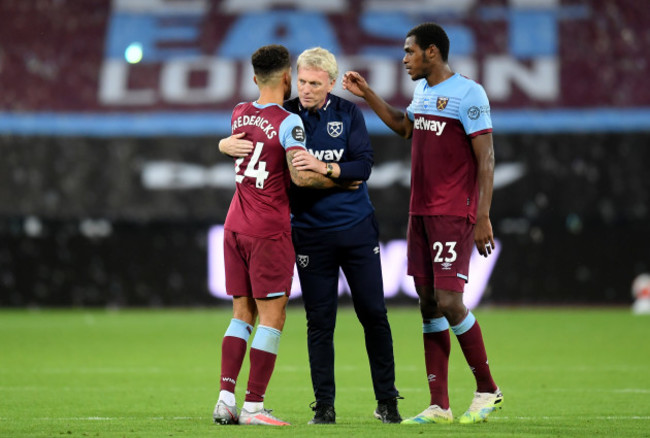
<point>133,53</point>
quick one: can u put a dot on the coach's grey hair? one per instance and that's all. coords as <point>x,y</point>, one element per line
<point>319,58</point>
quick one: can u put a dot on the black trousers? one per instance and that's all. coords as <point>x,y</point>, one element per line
<point>319,255</point>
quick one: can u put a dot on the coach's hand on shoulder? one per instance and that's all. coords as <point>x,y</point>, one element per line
<point>235,145</point>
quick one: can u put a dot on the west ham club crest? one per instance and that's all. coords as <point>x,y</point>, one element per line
<point>303,260</point>
<point>334,129</point>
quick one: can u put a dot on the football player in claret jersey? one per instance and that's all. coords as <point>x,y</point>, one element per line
<point>452,174</point>
<point>258,252</point>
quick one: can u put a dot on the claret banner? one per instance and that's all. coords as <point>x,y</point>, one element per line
<point>146,67</point>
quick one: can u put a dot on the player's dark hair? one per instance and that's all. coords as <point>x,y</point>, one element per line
<point>270,59</point>
<point>431,33</point>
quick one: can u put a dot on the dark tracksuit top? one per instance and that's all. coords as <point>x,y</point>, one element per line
<point>336,228</point>
<point>335,133</point>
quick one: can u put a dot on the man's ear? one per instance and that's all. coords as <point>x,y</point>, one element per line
<point>332,83</point>
<point>255,79</point>
<point>432,51</point>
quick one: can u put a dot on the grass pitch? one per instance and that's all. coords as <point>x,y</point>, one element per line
<point>154,373</point>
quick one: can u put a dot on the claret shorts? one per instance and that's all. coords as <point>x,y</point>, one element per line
<point>439,248</point>
<point>257,267</point>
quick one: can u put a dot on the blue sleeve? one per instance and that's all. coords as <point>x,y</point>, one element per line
<point>359,150</point>
<point>409,112</point>
<point>410,109</point>
<point>475,110</point>
<point>292,132</point>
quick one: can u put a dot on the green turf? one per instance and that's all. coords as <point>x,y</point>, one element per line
<point>154,373</point>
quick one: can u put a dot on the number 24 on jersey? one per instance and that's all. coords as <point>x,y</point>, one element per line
<point>255,168</point>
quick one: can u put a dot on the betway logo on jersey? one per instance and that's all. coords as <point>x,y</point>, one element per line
<point>424,124</point>
<point>328,154</point>
<point>260,122</point>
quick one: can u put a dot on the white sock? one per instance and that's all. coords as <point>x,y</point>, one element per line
<point>253,406</point>
<point>227,397</point>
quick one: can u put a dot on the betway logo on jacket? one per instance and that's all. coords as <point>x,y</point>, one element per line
<point>424,124</point>
<point>328,154</point>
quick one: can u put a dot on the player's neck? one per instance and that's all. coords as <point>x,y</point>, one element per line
<point>271,95</point>
<point>439,75</point>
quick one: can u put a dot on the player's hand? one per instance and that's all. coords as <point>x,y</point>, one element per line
<point>354,83</point>
<point>236,146</point>
<point>350,184</point>
<point>303,160</point>
<point>483,237</point>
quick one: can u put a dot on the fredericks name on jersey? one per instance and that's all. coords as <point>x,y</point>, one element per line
<point>424,124</point>
<point>260,122</point>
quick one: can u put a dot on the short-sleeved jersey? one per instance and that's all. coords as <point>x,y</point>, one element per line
<point>335,133</point>
<point>260,205</point>
<point>443,165</point>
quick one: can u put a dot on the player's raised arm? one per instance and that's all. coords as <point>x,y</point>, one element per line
<point>394,118</point>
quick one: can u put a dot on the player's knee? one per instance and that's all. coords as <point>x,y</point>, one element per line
<point>450,304</point>
<point>428,308</point>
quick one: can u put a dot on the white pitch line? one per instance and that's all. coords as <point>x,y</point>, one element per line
<point>600,390</point>
<point>492,418</point>
<point>557,418</point>
<point>114,418</point>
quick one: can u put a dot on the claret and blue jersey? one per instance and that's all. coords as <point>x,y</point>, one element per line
<point>335,133</point>
<point>443,166</point>
<point>260,205</point>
